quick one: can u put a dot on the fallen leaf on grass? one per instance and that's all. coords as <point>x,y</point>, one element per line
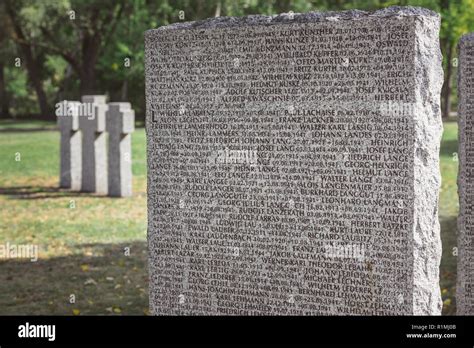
<point>90,281</point>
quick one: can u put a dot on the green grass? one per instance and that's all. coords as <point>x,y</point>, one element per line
<point>448,212</point>
<point>27,125</point>
<point>81,237</point>
<point>82,249</point>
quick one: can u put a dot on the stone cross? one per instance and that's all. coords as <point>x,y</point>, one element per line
<point>94,147</point>
<point>296,171</point>
<point>120,125</point>
<point>70,146</point>
<point>465,265</point>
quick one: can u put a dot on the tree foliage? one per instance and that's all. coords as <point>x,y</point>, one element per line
<point>73,47</point>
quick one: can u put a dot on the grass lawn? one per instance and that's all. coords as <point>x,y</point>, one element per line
<point>82,238</point>
<point>448,212</point>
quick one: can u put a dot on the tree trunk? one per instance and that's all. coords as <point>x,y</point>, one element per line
<point>217,13</point>
<point>34,77</point>
<point>90,54</point>
<point>124,91</point>
<point>446,90</point>
<point>60,95</point>
<point>87,86</point>
<point>4,107</point>
<point>31,64</point>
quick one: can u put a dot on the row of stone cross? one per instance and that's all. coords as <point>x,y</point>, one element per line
<point>87,163</point>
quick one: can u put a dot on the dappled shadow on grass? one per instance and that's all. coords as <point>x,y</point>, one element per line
<point>26,125</point>
<point>27,130</point>
<point>105,281</point>
<point>102,279</point>
<point>43,192</point>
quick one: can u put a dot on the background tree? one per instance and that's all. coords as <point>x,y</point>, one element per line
<point>5,49</point>
<point>83,30</point>
<point>457,20</point>
<point>33,57</point>
<point>76,47</point>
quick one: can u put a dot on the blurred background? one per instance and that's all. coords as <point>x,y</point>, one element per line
<point>52,50</point>
<point>69,48</point>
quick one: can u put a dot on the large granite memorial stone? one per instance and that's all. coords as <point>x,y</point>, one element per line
<point>293,164</point>
<point>465,272</point>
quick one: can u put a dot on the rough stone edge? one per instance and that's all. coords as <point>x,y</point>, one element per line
<point>149,233</point>
<point>465,38</point>
<point>330,16</point>
<point>461,307</point>
<point>428,128</point>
